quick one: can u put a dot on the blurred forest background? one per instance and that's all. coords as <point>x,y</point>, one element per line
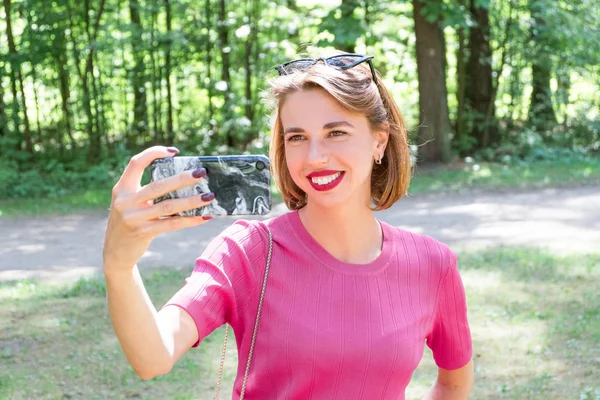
<point>84,85</point>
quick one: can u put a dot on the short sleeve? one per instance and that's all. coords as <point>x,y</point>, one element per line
<point>450,336</point>
<point>223,278</point>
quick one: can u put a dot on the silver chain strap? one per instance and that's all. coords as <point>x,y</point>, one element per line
<point>256,323</point>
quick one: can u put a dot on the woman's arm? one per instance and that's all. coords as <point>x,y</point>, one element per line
<point>452,384</point>
<point>152,341</point>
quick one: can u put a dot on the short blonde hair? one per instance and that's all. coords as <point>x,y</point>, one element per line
<point>355,90</point>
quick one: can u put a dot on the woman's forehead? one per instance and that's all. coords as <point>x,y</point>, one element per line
<point>315,108</point>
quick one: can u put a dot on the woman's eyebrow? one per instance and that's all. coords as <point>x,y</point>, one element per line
<point>293,130</point>
<point>329,125</point>
<point>336,124</point>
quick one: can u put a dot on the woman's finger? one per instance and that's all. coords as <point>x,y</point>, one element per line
<point>132,175</point>
<point>161,187</point>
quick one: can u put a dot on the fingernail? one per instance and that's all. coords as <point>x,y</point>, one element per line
<point>206,217</point>
<point>208,196</point>
<point>173,150</point>
<point>199,173</point>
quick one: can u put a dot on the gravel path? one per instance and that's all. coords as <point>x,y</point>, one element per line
<point>565,220</point>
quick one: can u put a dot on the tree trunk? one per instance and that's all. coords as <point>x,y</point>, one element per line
<point>63,76</point>
<point>17,75</point>
<point>461,76</point>
<point>140,113</point>
<point>209,47</point>
<point>39,138</point>
<point>434,127</point>
<point>95,144</point>
<point>98,86</point>
<point>27,129</point>
<point>87,97</point>
<point>250,44</point>
<point>225,49</point>
<point>563,80</point>
<point>157,138</point>
<point>98,128</point>
<point>76,57</point>
<point>30,38</point>
<point>170,132</point>
<point>480,80</point>
<point>3,129</point>
<point>541,112</point>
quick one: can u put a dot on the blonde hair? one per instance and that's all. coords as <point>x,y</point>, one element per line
<point>355,90</point>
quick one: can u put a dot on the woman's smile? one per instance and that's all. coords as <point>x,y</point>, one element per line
<point>325,180</point>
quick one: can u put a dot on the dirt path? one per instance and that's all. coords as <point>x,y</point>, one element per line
<point>60,248</point>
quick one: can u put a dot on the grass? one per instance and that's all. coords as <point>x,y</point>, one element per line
<point>93,199</point>
<point>494,176</point>
<point>535,320</point>
<point>448,178</point>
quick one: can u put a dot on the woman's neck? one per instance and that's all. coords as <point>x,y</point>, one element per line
<point>350,234</point>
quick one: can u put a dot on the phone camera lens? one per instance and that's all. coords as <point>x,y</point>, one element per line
<point>260,165</point>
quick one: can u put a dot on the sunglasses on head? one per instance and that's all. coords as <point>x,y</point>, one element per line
<point>341,61</point>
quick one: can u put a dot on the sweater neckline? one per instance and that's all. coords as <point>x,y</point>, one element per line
<point>323,257</point>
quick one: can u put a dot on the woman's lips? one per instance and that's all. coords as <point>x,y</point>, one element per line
<point>327,186</point>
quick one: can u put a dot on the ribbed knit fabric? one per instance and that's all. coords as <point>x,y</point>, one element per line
<point>329,330</point>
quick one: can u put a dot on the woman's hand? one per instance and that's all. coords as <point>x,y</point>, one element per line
<point>135,220</point>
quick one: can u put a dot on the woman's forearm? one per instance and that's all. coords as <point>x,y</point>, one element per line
<point>135,322</point>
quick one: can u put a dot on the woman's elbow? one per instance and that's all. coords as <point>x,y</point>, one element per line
<point>149,372</point>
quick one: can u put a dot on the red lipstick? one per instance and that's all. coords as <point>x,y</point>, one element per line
<point>327,186</point>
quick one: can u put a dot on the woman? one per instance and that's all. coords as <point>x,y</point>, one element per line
<point>350,300</point>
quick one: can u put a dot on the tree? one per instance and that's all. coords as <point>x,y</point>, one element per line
<point>434,127</point>
<point>140,113</point>
<point>541,111</point>
<point>3,129</point>
<point>480,95</point>
<point>225,76</point>
<point>169,20</point>
<point>16,74</point>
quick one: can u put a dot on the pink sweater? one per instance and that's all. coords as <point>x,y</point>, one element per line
<point>329,330</point>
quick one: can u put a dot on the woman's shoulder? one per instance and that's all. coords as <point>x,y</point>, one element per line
<point>421,248</point>
<point>252,230</point>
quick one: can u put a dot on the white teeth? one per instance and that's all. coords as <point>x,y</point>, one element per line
<point>324,180</point>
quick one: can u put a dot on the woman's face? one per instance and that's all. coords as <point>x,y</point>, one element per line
<point>329,150</point>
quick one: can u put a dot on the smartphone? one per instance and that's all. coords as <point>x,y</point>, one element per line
<point>241,183</point>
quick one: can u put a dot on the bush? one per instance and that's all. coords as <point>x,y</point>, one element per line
<point>53,179</point>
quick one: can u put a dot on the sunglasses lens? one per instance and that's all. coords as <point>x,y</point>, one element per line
<point>343,60</point>
<point>294,66</point>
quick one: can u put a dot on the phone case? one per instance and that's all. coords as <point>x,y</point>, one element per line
<point>241,183</point>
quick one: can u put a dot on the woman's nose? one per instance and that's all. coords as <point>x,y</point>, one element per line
<point>317,153</point>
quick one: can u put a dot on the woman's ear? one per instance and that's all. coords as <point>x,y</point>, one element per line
<point>381,136</point>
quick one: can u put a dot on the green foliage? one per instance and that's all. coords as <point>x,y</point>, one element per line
<point>78,104</point>
<point>574,142</point>
<point>53,179</point>
<point>338,21</point>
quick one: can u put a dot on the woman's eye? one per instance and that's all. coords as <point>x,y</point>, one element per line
<point>294,138</point>
<point>336,133</point>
